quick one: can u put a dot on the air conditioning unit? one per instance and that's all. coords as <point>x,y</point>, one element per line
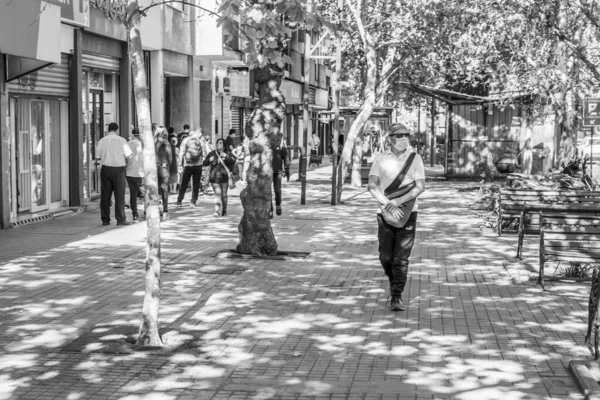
<point>219,84</point>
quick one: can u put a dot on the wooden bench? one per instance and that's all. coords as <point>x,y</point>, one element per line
<point>572,238</point>
<point>526,205</point>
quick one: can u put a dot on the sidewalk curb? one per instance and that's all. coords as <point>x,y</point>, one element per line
<point>586,375</point>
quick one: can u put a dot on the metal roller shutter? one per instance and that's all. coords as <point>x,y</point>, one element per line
<point>100,62</point>
<point>247,112</point>
<point>235,119</point>
<point>52,80</point>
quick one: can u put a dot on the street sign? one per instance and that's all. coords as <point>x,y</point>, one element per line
<point>591,112</point>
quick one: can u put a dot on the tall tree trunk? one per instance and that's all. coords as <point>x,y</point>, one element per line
<point>364,113</point>
<point>148,334</point>
<point>356,178</point>
<point>263,133</point>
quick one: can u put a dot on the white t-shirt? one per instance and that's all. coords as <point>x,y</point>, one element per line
<point>135,165</point>
<point>113,150</point>
<point>387,166</point>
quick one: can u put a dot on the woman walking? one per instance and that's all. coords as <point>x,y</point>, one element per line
<point>221,163</point>
<point>164,158</point>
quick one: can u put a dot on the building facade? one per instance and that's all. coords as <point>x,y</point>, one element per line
<point>66,75</point>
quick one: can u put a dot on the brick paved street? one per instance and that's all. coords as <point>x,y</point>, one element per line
<point>280,329</point>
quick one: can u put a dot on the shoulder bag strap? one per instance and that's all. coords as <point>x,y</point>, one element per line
<point>398,181</point>
<point>223,163</point>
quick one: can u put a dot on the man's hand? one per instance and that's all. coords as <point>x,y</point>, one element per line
<point>394,211</point>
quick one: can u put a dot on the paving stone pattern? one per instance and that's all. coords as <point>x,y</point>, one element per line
<point>317,328</point>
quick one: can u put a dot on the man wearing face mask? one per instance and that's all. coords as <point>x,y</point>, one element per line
<point>396,179</point>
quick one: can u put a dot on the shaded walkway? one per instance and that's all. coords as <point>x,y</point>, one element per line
<point>317,328</point>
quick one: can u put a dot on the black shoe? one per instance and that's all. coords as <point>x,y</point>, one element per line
<point>135,218</point>
<point>178,203</point>
<point>122,223</point>
<point>105,223</point>
<point>397,304</point>
<point>224,214</point>
<point>278,210</point>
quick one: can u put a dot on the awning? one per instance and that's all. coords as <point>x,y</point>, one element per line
<point>34,27</point>
<point>457,98</point>
<point>445,95</point>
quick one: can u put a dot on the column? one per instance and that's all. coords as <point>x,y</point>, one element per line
<point>125,100</point>
<point>157,87</point>
<point>5,181</point>
<point>76,123</point>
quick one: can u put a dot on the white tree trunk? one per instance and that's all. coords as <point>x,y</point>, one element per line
<point>148,334</point>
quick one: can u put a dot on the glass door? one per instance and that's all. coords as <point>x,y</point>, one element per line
<point>39,155</point>
<point>23,155</point>
<point>96,126</point>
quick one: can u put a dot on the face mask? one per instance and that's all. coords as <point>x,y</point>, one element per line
<point>401,144</point>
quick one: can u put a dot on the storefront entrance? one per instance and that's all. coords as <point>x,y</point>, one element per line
<point>38,165</point>
<point>96,126</point>
<point>100,103</point>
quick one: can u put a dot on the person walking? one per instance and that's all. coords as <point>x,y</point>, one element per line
<point>135,172</point>
<point>113,152</point>
<point>230,141</point>
<point>182,135</point>
<point>221,163</point>
<point>315,142</point>
<point>173,170</point>
<point>238,153</point>
<point>279,163</point>
<point>396,179</point>
<point>192,157</point>
<point>164,158</point>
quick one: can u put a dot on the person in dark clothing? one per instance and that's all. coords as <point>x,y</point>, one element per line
<point>279,163</point>
<point>230,141</point>
<point>192,156</point>
<point>221,163</point>
<point>164,158</point>
<point>173,179</point>
<point>113,152</point>
<point>183,135</point>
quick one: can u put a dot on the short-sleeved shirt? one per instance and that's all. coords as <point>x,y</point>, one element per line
<point>135,165</point>
<point>387,166</point>
<point>229,142</point>
<point>113,150</point>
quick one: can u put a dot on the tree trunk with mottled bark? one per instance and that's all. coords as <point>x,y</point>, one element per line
<point>148,334</point>
<point>263,133</point>
<point>356,177</point>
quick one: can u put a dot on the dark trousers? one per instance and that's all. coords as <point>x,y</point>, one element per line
<point>163,186</point>
<point>395,246</point>
<point>112,180</point>
<point>135,189</point>
<point>277,178</point>
<point>194,172</point>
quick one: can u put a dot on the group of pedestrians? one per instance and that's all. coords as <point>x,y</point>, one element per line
<point>180,159</point>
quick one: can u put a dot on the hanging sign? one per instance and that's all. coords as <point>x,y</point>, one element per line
<point>591,112</point>
<point>112,8</point>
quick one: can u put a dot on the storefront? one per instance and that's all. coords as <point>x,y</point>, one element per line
<point>100,89</point>
<point>292,125</point>
<point>39,113</point>
<point>103,93</point>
